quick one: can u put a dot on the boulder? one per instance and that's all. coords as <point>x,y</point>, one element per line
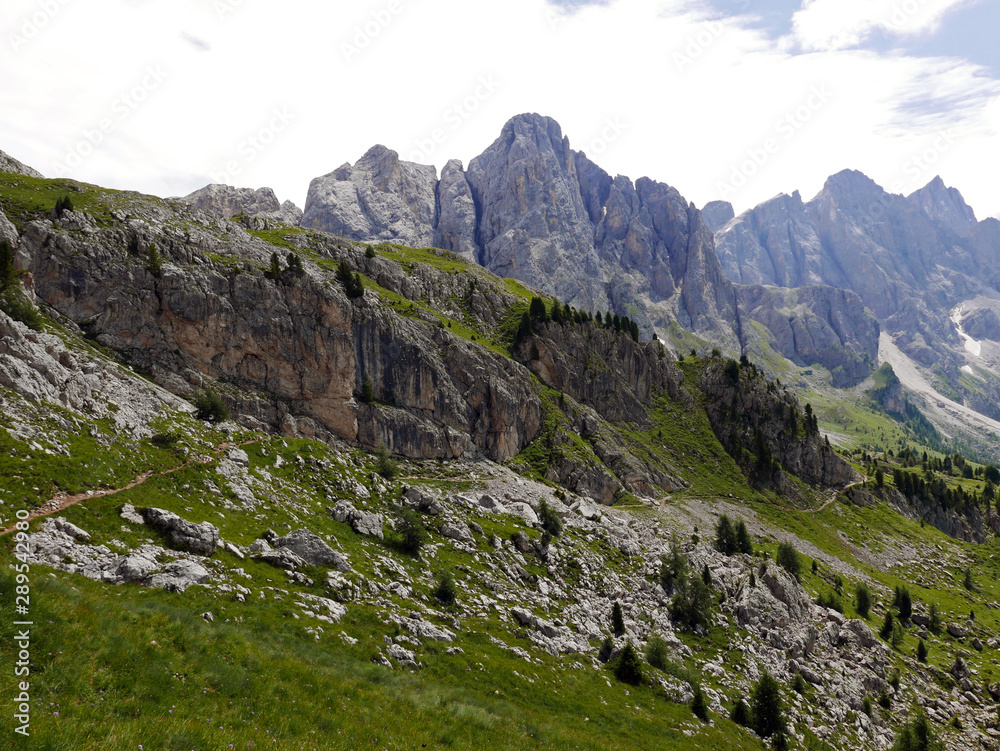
<point>202,539</point>
<point>310,548</point>
<point>178,576</point>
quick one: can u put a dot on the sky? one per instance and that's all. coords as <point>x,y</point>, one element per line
<point>736,100</point>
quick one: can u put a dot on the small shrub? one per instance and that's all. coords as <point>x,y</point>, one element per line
<point>369,252</point>
<point>385,465</point>
<point>444,592</point>
<point>16,305</point>
<point>209,406</point>
<point>799,684</point>
<point>921,651</point>
<point>367,392</point>
<point>788,558</point>
<point>551,522</point>
<point>884,701</point>
<point>410,531</point>
<point>657,653</point>
<point>866,706</point>
<point>165,440</point>
<point>607,647</point>
<point>63,205</point>
<point>628,669</point>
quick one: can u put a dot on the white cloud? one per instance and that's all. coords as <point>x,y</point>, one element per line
<point>697,98</point>
<point>842,24</point>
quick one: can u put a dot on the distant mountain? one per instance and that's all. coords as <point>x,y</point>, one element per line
<point>921,263</point>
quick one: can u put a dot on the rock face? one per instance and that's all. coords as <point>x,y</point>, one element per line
<point>817,326</point>
<point>229,202</point>
<point>533,209</point>
<point>718,214</point>
<point>10,164</point>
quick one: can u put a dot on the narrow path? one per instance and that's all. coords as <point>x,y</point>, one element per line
<point>61,502</point>
<point>833,497</point>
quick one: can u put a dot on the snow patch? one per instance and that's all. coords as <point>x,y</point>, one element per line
<point>973,347</point>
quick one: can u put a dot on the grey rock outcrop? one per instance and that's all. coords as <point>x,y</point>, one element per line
<point>229,202</point>
<point>311,549</point>
<point>10,164</point>
<point>381,198</point>
<point>8,232</point>
<point>362,522</point>
<point>202,538</point>
<point>718,214</point>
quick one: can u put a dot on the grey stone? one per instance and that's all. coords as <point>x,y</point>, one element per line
<point>200,538</point>
<point>310,548</point>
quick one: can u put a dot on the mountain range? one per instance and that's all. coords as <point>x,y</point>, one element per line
<point>792,284</point>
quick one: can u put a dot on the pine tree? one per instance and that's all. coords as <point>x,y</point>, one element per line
<point>863,601</point>
<point>922,651</point>
<point>537,311</point>
<point>886,631</point>
<point>617,619</point>
<point>699,705</point>
<point>743,542</point>
<point>725,536</point>
<point>6,265</point>
<point>788,559</point>
<point>629,667</point>
<point>766,709</point>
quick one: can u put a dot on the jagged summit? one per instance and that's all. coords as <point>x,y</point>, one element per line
<point>945,205</point>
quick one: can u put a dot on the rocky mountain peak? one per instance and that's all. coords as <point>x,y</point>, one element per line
<point>945,205</point>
